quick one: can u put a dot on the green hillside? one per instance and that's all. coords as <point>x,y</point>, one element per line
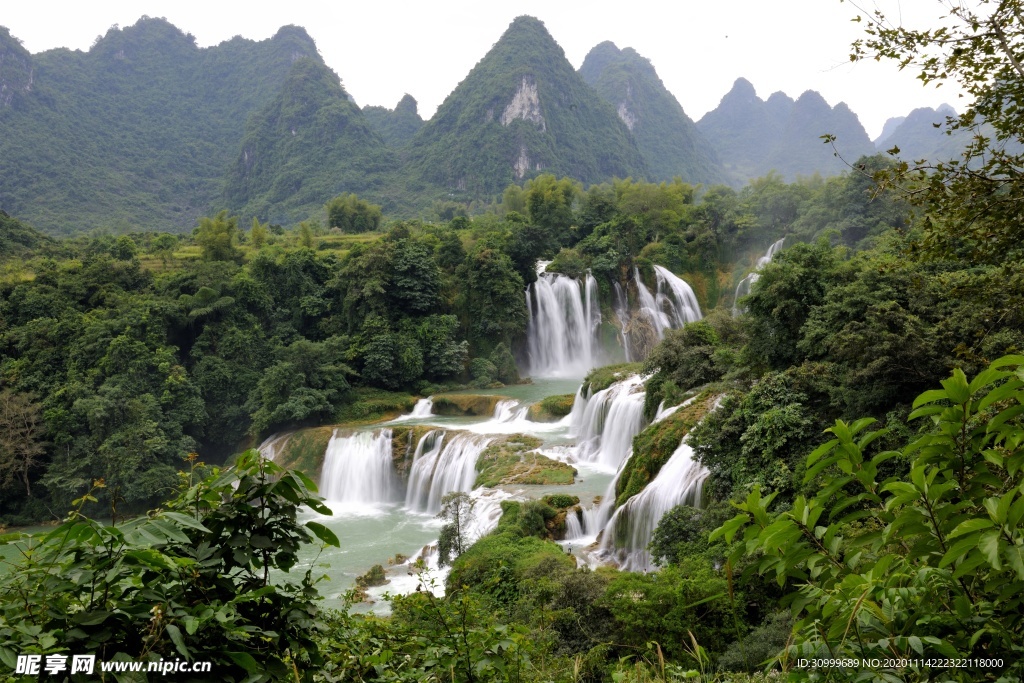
<point>136,132</point>
<point>521,111</point>
<point>668,139</point>
<point>308,144</point>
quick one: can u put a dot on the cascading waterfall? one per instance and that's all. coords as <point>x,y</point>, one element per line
<point>631,528</point>
<point>271,445</point>
<point>622,313</point>
<point>422,410</point>
<point>672,305</point>
<point>606,423</point>
<point>357,469</point>
<point>743,288</point>
<point>561,333</point>
<point>676,298</point>
<point>441,465</point>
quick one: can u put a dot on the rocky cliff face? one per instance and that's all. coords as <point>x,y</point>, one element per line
<point>17,72</point>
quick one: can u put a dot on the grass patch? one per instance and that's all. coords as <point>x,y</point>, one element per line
<point>373,405</point>
<point>480,405</point>
<point>552,408</point>
<point>655,445</point>
<point>512,460</point>
<point>600,379</point>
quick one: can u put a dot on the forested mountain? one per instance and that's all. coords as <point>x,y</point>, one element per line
<point>668,139</point>
<point>754,136</point>
<point>138,131</point>
<point>522,110</point>
<point>396,126</point>
<point>308,144</point>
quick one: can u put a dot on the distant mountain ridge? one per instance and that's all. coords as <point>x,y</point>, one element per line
<point>924,134</point>
<point>146,130</point>
<point>395,126</point>
<point>668,139</point>
<point>754,137</point>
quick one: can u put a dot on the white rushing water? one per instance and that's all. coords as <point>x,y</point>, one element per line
<point>564,317</point>
<point>627,534</point>
<point>743,288</point>
<point>382,512</point>
<point>422,410</point>
<point>358,471</point>
<point>605,423</point>
<point>669,307</point>
<point>442,463</point>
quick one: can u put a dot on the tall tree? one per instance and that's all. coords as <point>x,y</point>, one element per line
<point>973,206</point>
<point>21,443</point>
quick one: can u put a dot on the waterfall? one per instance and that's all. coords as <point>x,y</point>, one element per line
<point>357,469</point>
<point>632,526</point>
<point>270,448</point>
<point>743,288</point>
<point>505,411</point>
<point>621,304</point>
<point>441,466</point>
<point>421,411</point>
<point>676,298</point>
<point>672,305</point>
<point>607,422</point>
<point>561,333</point>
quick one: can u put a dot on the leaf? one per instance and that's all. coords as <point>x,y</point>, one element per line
<point>956,387</point>
<point>930,397</point>
<point>244,660</point>
<point>179,642</point>
<point>970,526</point>
<point>959,550</point>
<point>989,547</point>
<point>324,534</point>
<point>91,618</point>
<point>186,521</point>
<point>1007,360</point>
<point>1000,393</point>
<point>821,450</point>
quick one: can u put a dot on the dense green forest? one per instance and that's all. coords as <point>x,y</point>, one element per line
<point>864,505</point>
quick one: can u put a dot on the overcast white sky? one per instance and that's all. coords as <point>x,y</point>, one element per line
<point>383,50</point>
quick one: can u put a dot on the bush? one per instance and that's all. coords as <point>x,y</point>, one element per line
<point>190,580</point>
<point>937,568</point>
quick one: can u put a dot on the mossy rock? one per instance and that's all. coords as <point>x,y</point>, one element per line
<point>653,447</point>
<point>513,460</point>
<point>552,408</point>
<point>304,450</point>
<point>600,379</point>
<point>560,501</point>
<point>403,445</point>
<point>374,577</point>
<point>478,405</point>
